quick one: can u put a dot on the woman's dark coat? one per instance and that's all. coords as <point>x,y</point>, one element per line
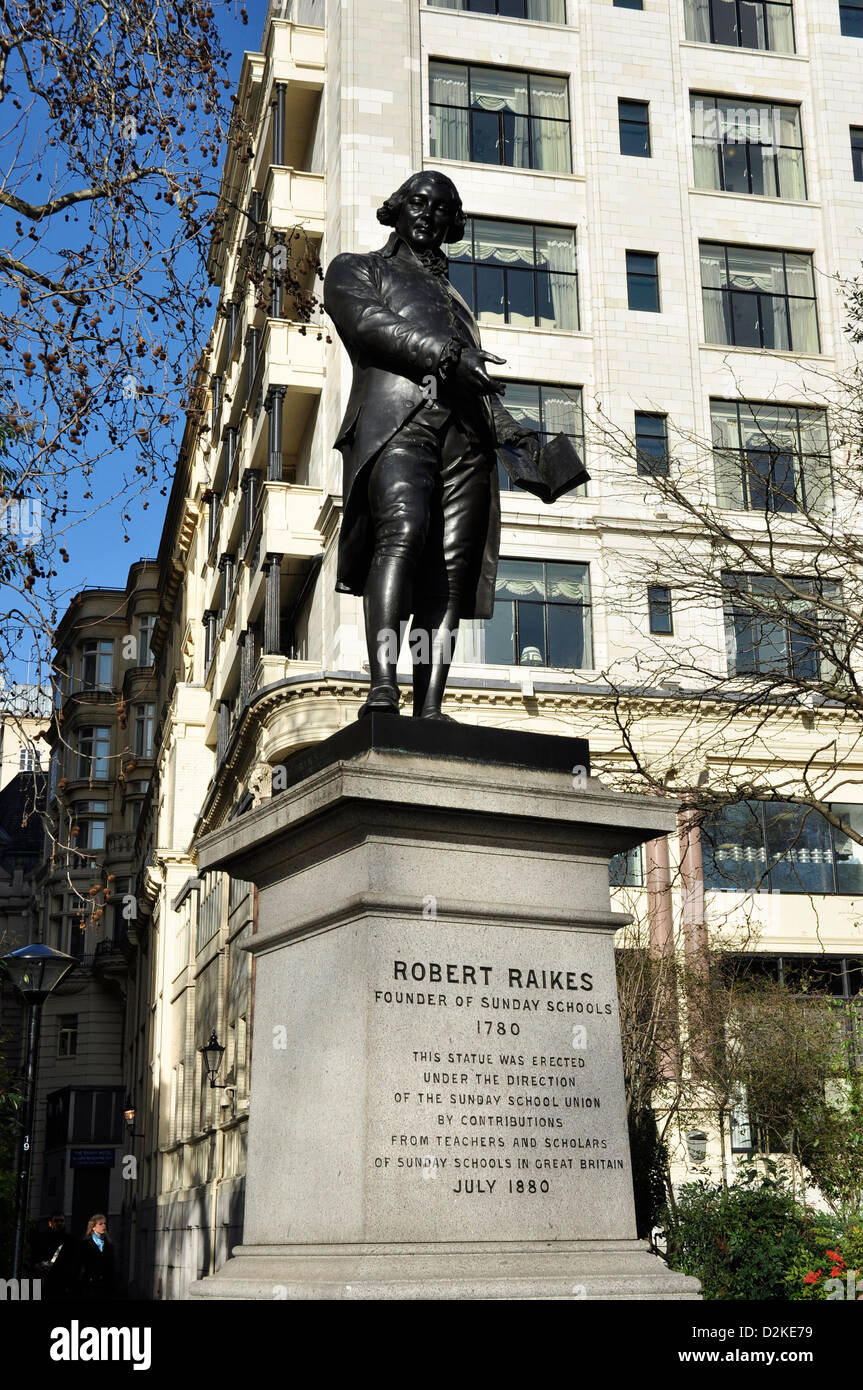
<point>95,1269</point>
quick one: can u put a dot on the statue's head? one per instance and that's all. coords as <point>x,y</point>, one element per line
<point>425,211</point>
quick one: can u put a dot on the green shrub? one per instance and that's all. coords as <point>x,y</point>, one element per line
<point>741,1242</point>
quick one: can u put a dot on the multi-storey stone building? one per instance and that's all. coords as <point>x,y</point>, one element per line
<point>25,713</point>
<point>637,269</point>
<point>101,752</point>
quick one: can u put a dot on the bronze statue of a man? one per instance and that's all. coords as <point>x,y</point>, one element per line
<point>421,523</point>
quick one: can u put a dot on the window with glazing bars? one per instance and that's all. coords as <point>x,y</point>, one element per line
<point>541,616</point>
<point>499,116</point>
<point>782,847</point>
<point>209,908</point>
<point>145,716</point>
<point>97,659</point>
<point>749,147</point>
<point>759,297</point>
<point>88,832</point>
<point>773,458</point>
<point>146,628</point>
<point>517,273</point>
<point>781,627</point>
<point>548,410</point>
<point>538,11</point>
<point>766,24</point>
<point>67,1035</point>
<point>94,744</point>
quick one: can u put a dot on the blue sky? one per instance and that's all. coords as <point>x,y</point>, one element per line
<point>98,553</point>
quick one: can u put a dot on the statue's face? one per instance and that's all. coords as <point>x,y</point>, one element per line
<point>426,215</point>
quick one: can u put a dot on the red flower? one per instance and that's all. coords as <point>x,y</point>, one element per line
<point>812,1277</point>
<point>837,1271</point>
<point>834,1256</point>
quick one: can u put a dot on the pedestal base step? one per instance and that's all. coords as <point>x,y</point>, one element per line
<point>583,1270</point>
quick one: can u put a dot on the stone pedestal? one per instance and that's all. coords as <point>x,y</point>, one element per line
<point>437,1106</point>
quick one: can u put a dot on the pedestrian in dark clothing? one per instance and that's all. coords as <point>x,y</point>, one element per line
<point>96,1260</point>
<point>54,1258</point>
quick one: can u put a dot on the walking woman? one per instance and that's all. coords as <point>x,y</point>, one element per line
<point>96,1260</point>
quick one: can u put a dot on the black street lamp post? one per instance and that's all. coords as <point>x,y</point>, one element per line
<point>213,1053</point>
<point>35,971</point>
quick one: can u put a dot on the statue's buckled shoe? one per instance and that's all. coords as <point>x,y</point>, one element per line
<point>382,699</point>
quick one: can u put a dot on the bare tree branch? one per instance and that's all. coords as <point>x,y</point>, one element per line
<point>112,189</point>
<point>19,268</point>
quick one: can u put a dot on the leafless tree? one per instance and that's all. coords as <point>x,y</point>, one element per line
<point>701,1047</point>
<point>754,545</point>
<point>114,122</point>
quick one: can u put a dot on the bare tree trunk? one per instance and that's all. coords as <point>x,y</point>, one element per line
<point>722,1153</point>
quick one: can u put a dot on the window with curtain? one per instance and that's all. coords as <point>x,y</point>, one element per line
<point>857,152</point>
<point>97,661</point>
<point>539,11</point>
<point>768,457</point>
<point>754,148</point>
<point>548,410</point>
<point>94,746</point>
<point>517,273</point>
<point>758,297</point>
<point>90,825</point>
<point>783,627</point>
<point>145,719</point>
<point>782,847</point>
<point>499,116</point>
<point>541,616</point>
<point>767,24</point>
<point>146,628</point>
<point>851,19</point>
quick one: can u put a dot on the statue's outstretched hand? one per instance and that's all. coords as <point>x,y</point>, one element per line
<point>471,374</point>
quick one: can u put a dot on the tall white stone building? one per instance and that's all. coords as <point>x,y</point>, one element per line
<point>657,200</point>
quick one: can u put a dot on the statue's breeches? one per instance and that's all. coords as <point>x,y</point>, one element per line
<point>429,492</point>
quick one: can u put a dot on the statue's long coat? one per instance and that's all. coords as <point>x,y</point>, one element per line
<point>395,318</point>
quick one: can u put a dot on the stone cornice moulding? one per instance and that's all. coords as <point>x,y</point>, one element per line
<point>454,911</point>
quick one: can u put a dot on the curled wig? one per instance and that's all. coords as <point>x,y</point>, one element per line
<point>389,211</point>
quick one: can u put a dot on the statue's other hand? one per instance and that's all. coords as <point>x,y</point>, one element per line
<point>471,374</point>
